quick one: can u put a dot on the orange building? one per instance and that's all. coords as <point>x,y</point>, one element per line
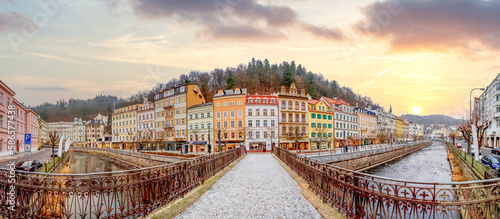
<point>171,114</point>
<point>229,118</point>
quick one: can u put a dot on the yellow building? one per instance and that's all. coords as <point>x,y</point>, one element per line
<point>229,119</point>
<point>124,127</point>
<point>171,115</point>
<point>399,129</point>
<point>367,120</point>
<point>293,122</point>
<point>320,119</point>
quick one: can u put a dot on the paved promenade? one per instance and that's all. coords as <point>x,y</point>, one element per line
<point>257,187</point>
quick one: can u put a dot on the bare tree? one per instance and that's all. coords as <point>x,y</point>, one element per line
<point>452,136</point>
<point>321,130</point>
<point>222,137</point>
<point>271,134</point>
<point>53,138</point>
<point>295,134</point>
<point>160,139</point>
<point>464,126</point>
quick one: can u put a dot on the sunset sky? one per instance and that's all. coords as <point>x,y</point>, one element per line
<point>405,53</point>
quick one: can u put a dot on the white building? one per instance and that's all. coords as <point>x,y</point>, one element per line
<point>345,121</point>
<point>201,129</point>
<point>64,129</point>
<point>80,135</point>
<point>386,123</point>
<point>146,124</point>
<point>262,122</point>
<point>489,108</point>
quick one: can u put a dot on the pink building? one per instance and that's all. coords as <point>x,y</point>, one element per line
<point>24,121</point>
<point>146,124</point>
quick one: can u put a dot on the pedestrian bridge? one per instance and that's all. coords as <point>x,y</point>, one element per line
<point>136,193</point>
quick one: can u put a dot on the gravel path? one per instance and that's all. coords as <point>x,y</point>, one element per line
<point>256,187</point>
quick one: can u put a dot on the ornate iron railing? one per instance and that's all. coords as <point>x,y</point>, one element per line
<point>121,194</point>
<point>362,195</point>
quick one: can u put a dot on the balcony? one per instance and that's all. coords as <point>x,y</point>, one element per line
<point>168,107</point>
<point>496,115</point>
<point>168,127</point>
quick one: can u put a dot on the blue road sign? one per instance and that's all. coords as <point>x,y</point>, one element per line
<point>27,138</point>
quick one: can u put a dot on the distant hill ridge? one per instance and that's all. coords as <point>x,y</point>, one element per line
<point>431,119</point>
<point>258,76</point>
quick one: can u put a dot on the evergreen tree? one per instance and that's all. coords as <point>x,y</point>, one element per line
<point>311,86</point>
<point>287,77</point>
<point>230,82</point>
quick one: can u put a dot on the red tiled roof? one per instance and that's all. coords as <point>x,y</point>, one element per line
<point>336,102</point>
<point>311,101</point>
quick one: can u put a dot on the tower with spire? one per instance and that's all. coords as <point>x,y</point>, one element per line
<point>390,109</point>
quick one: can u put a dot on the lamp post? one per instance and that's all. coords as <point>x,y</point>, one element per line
<point>470,115</point>
<point>470,101</point>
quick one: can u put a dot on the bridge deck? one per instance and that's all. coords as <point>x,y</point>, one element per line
<point>257,187</point>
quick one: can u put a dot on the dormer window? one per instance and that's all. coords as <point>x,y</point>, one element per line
<point>221,93</point>
<point>265,100</point>
<point>237,91</point>
<point>250,100</point>
<point>257,100</point>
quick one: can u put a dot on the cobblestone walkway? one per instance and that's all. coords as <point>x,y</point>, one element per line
<point>256,187</point>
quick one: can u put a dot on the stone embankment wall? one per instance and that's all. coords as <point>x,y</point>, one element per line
<point>364,160</point>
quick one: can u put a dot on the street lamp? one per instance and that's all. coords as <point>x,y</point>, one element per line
<point>470,113</point>
<point>470,101</point>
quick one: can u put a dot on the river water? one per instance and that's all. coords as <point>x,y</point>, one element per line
<point>429,164</point>
<point>82,163</point>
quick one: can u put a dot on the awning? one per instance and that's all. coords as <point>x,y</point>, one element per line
<point>302,141</point>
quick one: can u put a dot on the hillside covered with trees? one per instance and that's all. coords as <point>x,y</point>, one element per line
<point>258,76</point>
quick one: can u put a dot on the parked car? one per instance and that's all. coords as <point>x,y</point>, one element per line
<point>29,165</point>
<point>56,151</point>
<point>495,151</point>
<point>492,161</point>
<point>472,151</point>
<point>459,145</point>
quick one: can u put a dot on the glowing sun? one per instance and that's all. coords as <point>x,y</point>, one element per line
<point>416,110</point>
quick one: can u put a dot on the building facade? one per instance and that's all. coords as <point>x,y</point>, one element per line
<point>399,129</point>
<point>80,136</point>
<point>489,109</point>
<point>261,122</point>
<point>124,127</point>
<point>386,122</point>
<point>43,134</point>
<point>346,122</point>
<point>406,130</point>
<point>15,120</point>
<point>320,119</point>
<point>367,126</point>
<point>95,132</point>
<point>200,128</point>
<point>229,119</point>
<point>65,130</point>
<point>293,126</point>
<point>146,124</point>
<point>171,114</point>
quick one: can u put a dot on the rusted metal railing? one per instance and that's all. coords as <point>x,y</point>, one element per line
<point>120,194</point>
<point>362,195</point>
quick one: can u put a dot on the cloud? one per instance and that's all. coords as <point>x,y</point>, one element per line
<point>371,82</point>
<point>323,32</point>
<point>47,88</point>
<point>467,26</point>
<point>48,56</point>
<point>242,32</point>
<point>222,19</point>
<point>495,67</point>
<point>14,21</point>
